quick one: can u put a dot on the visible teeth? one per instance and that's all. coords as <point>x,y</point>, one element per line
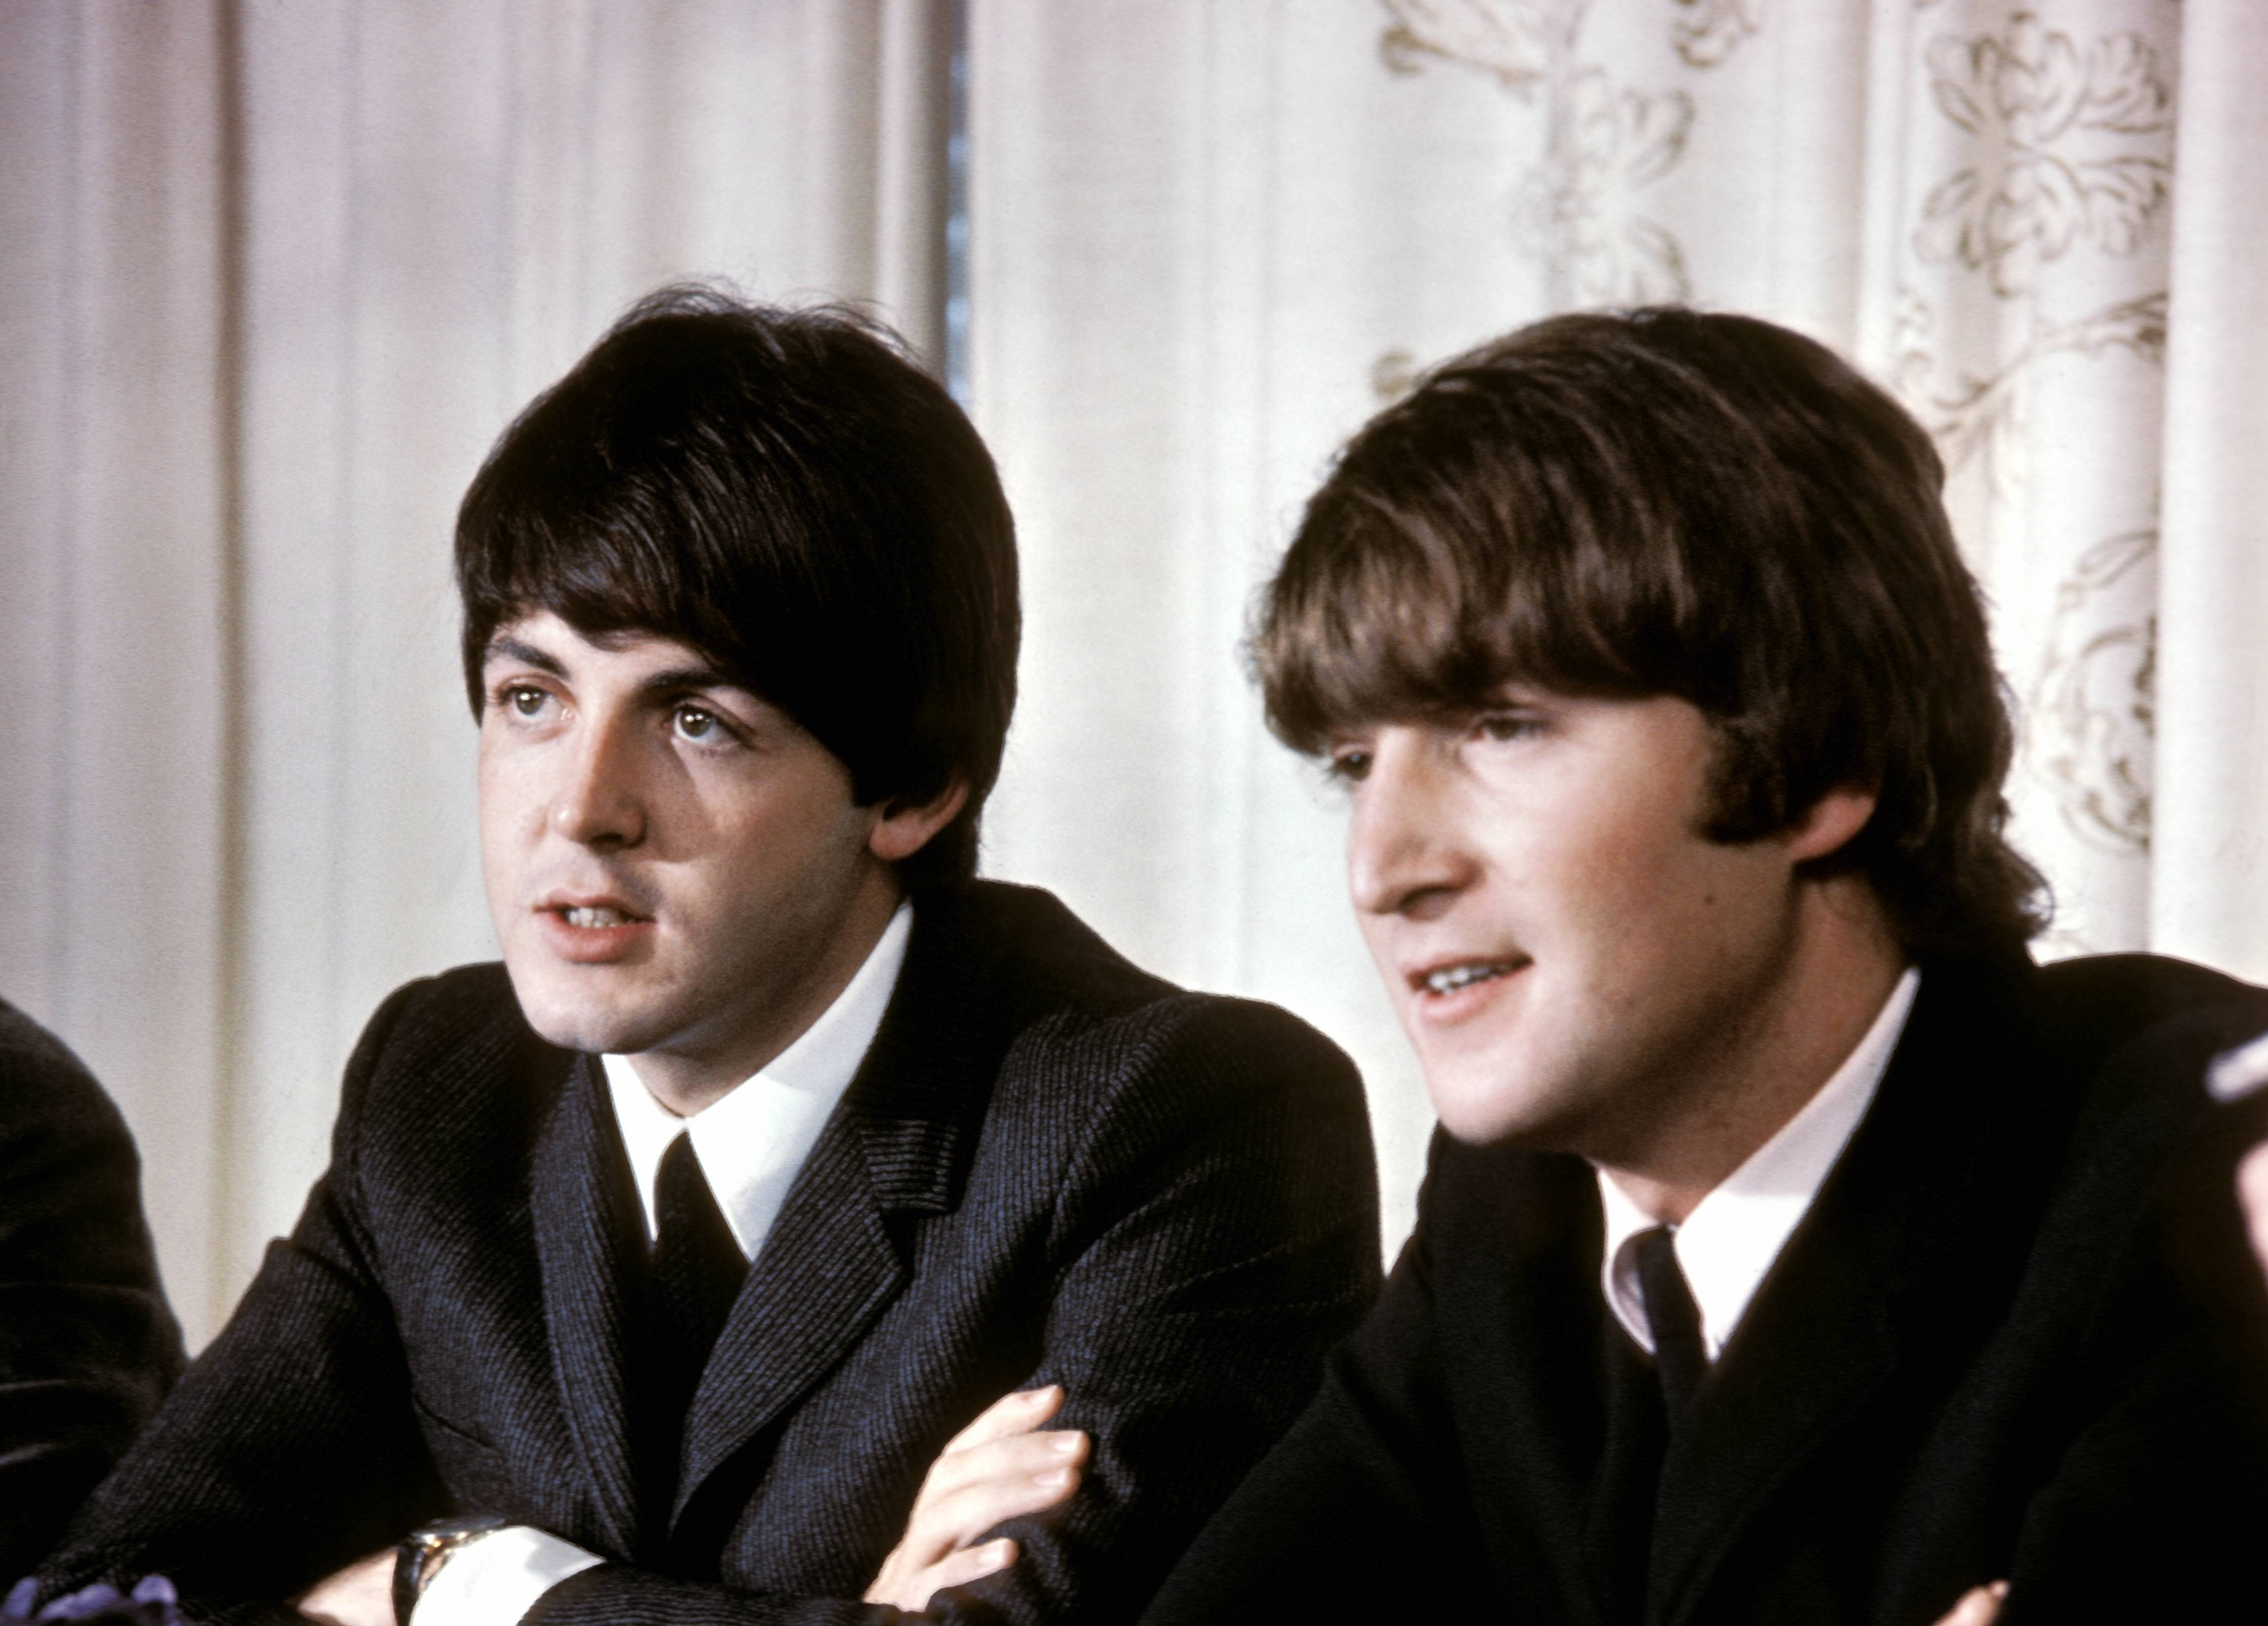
<point>599,916</point>
<point>1449,979</point>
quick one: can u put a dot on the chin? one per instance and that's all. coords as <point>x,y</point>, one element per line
<point>1494,1100</point>
<point>572,1018</point>
<point>1477,1111</point>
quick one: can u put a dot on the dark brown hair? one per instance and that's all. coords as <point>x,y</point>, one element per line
<point>1668,503</point>
<point>787,493</point>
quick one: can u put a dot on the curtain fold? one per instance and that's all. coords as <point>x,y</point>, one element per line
<point>2209,893</point>
<point>116,556</point>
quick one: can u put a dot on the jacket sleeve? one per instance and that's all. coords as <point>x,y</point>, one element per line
<point>1346,1519</point>
<point>2155,1508</point>
<point>289,1448</point>
<point>1216,1232</point>
<point>87,1346</point>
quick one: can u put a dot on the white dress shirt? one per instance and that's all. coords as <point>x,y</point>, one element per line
<point>1731,1238</point>
<point>751,1142</point>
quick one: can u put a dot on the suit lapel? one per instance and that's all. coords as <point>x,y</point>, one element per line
<point>1515,1244</point>
<point>1866,1283</point>
<point>581,1190</point>
<point>832,1261</point>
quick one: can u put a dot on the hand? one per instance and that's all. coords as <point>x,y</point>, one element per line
<point>2252,1197</point>
<point>1979,1606</point>
<point>998,1467</point>
<point>361,1594</point>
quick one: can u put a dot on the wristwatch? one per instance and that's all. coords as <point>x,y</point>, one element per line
<point>420,1555</point>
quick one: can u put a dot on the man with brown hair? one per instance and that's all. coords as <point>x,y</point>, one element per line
<point>1788,1251</point>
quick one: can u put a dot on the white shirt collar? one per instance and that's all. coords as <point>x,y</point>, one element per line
<point>752,1141</point>
<point>1731,1238</point>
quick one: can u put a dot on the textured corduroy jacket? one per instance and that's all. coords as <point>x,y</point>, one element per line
<point>1050,1168</point>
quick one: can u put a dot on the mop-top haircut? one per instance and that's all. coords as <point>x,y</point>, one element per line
<point>1668,503</point>
<point>786,492</point>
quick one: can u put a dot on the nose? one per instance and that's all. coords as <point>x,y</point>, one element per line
<point>1403,857</point>
<point>600,802</point>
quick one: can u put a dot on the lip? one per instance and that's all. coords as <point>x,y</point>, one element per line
<point>593,946</point>
<point>1443,1009</point>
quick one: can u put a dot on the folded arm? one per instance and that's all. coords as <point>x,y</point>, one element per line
<point>1217,1233</point>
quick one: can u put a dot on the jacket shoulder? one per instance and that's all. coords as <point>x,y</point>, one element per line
<point>437,1050</point>
<point>2146,1012</point>
<point>44,1086</point>
<point>1063,989</point>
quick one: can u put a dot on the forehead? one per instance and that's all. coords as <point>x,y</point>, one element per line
<point>546,640</point>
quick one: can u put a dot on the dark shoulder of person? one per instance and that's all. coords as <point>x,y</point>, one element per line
<point>87,1345</point>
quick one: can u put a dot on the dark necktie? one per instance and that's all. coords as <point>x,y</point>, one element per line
<point>695,1275</point>
<point>1674,1320</point>
<point>697,1266</point>
<point>1646,1406</point>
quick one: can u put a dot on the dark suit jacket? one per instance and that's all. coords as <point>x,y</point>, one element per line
<point>87,1346</point>
<point>1050,1168</point>
<point>1968,1363</point>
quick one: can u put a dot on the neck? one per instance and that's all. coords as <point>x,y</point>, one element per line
<point>699,1071</point>
<point>1772,1057</point>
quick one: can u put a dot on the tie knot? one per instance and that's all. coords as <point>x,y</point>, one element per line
<point>1673,1320</point>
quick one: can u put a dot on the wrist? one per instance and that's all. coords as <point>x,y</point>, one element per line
<point>419,1556</point>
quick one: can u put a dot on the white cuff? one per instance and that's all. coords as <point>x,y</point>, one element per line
<point>496,1579</point>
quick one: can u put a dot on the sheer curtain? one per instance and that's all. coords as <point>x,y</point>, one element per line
<point>272,276</point>
<point>1210,239</point>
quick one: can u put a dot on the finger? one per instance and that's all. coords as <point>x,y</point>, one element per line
<point>1012,1458</point>
<point>2252,1194</point>
<point>906,1586</point>
<point>1979,1606</point>
<point>971,1563</point>
<point>1015,1413</point>
<point>959,1520</point>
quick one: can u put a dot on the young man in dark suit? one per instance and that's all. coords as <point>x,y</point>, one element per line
<point>658,1263</point>
<point>87,1344</point>
<point>1791,1245</point>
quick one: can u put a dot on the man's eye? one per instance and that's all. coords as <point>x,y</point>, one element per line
<point>523,701</point>
<point>697,723</point>
<point>1507,725</point>
<point>1348,765</point>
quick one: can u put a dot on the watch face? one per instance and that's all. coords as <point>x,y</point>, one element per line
<point>455,1527</point>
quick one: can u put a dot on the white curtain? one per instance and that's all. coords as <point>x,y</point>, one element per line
<point>273,276</point>
<point>1210,236</point>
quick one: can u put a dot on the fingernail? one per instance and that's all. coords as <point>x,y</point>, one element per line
<point>1053,1478</point>
<point>1066,1443</point>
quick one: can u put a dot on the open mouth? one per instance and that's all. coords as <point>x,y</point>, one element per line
<point>1443,980</point>
<point>594,931</point>
<point>595,917</point>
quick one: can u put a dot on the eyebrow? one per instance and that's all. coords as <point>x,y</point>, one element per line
<point>672,679</point>
<point>503,647</point>
<point>676,679</point>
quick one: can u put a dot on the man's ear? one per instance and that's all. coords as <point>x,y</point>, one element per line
<point>904,828</point>
<point>1832,821</point>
